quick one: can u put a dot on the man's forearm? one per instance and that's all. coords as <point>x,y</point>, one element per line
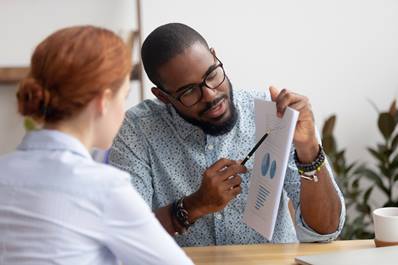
<point>165,218</point>
<point>320,203</point>
<point>170,222</point>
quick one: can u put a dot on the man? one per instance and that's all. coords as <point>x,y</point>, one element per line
<point>184,150</point>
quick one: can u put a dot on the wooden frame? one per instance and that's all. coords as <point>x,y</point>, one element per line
<point>12,75</point>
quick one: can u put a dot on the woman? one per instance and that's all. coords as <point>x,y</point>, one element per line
<point>57,205</point>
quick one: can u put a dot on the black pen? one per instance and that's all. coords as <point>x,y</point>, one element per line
<point>254,148</point>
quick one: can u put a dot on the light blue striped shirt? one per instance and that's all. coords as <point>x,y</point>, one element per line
<point>166,157</point>
<point>58,206</point>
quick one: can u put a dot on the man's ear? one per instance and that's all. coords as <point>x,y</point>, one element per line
<point>213,51</point>
<point>160,95</point>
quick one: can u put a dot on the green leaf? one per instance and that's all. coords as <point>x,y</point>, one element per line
<point>355,184</point>
<point>379,156</point>
<point>363,208</point>
<point>385,171</point>
<point>355,194</point>
<point>386,124</point>
<point>396,177</point>
<point>371,175</point>
<point>358,221</point>
<point>393,108</point>
<point>394,143</point>
<point>365,235</point>
<point>340,155</point>
<point>350,167</point>
<point>367,194</point>
<point>394,162</point>
<point>383,149</point>
<point>390,204</point>
<point>328,126</point>
<point>329,145</point>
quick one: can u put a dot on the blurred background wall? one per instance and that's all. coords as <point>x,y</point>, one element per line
<point>340,54</point>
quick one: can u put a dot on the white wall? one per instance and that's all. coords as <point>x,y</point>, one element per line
<point>24,23</point>
<point>338,53</point>
<point>11,124</point>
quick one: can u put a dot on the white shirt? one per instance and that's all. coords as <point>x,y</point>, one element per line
<point>58,206</point>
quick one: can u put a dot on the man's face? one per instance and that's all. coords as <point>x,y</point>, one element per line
<point>215,112</point>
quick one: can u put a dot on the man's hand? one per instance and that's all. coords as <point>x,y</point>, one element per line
<point>220,184</point>
<point>304,136</point>
<point>319,203</point>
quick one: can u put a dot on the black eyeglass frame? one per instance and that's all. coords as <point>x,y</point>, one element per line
<point>199,85</point>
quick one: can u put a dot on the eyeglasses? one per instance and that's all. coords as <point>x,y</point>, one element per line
<point>192,94</point>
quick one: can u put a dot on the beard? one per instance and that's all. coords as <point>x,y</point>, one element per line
<point>216,129</point>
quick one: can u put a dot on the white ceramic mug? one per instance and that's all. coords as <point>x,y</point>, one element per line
<point>385,222</point>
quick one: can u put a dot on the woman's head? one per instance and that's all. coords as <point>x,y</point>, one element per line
<point>70,69</point>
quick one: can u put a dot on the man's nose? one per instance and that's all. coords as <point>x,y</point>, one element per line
<point>209,94</point>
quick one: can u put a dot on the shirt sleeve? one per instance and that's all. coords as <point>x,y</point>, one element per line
<point>129,152</point>
<point>133,233</point>
<point>292,186</point>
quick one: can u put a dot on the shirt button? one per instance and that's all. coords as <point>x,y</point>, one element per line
<point>210,147</point>
<point>218,216</point>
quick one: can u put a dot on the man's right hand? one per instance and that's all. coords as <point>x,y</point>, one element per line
<point>220,184</point>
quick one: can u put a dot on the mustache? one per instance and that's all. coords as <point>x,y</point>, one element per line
<point>211,104</point>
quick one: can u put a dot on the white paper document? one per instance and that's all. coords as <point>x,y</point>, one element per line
<point>270,164</point>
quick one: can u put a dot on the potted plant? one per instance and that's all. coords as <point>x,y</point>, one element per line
<point>383,175</point>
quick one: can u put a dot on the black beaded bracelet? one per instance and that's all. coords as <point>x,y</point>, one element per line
<point>311,167</point>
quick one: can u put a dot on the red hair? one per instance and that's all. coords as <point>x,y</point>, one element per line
<point>69,68</point>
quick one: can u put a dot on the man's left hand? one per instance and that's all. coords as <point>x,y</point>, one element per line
<point>304,135</point>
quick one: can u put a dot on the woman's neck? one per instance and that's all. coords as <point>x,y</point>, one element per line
<point>79,130</point>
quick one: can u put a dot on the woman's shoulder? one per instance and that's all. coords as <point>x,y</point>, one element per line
<point>106,176</point>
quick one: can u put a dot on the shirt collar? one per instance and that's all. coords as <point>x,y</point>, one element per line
<point>53,140</point>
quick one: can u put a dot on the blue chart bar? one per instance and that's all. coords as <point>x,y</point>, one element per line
<point>262,196</point>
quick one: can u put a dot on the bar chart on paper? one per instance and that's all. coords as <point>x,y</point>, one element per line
<point>262,196</point>
<point>270,164</point>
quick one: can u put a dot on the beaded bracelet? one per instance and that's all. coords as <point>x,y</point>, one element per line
<point>308,171</point>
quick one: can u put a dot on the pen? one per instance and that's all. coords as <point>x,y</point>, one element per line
<point>254,148</point>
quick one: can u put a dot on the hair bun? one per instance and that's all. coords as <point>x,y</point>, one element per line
<point>31,97</point>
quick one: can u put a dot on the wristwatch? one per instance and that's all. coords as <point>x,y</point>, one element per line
<point>181,215</point>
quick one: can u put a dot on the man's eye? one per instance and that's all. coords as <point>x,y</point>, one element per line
<point>211,75</point>
<point>188,91</point>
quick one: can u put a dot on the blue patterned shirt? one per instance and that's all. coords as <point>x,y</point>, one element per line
<point>166,157</point>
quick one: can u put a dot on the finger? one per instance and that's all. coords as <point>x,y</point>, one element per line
<point>286,100</point>
<point>279,110</point>
<point>300,105</point>
<point>281,95</point>
<point>233,181</point>
<point>235,191</point>
<point>221,164</point>
<point>232,170</point>
<point>274,92</point>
